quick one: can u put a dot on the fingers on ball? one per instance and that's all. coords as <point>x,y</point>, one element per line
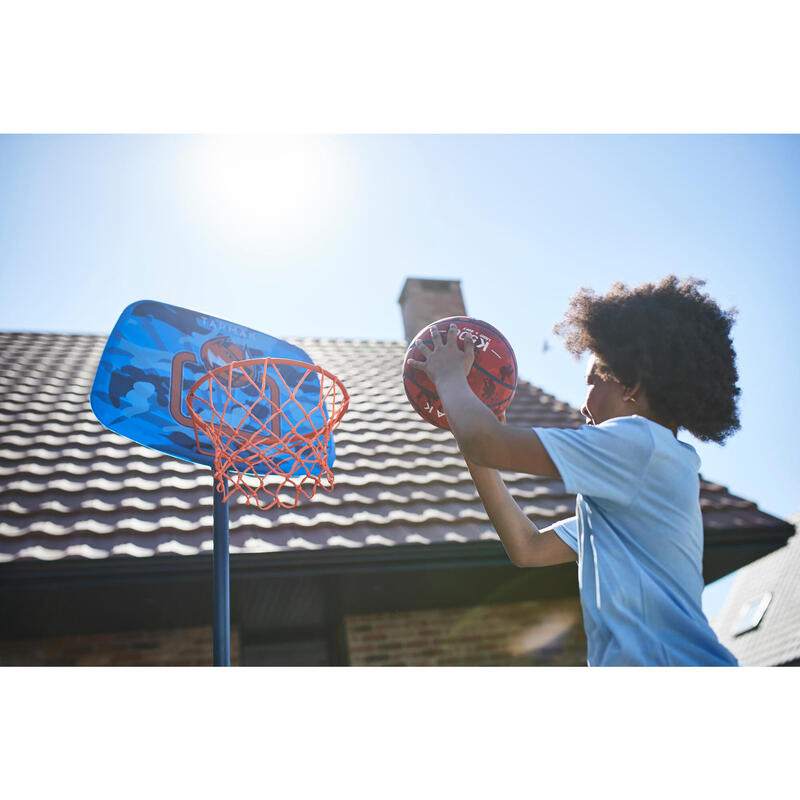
<point>421,350</point>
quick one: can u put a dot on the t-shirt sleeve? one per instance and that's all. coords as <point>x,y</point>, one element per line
<point>567,531</point>
<point>606,461</point>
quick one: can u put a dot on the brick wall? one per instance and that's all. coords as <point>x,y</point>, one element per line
<point>548,632</point>
<point>185,647</point>
<point>542,632</point>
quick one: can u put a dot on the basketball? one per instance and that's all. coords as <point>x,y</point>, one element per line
<point>493,376</point>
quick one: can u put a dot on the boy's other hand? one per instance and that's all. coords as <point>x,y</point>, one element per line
<point>445,358</point>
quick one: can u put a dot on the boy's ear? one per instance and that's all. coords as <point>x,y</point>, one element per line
<point>632,391</point>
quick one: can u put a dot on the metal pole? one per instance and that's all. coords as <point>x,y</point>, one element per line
<point>222,594</point>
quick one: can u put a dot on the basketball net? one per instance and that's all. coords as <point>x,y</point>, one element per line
<point>270,423</point>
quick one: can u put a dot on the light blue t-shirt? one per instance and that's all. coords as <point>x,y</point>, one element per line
<point>638,534</point>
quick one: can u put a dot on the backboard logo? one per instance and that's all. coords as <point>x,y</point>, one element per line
<point>220,351</point>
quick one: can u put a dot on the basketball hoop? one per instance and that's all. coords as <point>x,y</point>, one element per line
<point>263,425</point>
<point>270,422</point>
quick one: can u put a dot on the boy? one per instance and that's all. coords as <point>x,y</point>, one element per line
<point>661,359</point>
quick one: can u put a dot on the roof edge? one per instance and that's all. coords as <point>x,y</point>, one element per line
<point>325,561</point>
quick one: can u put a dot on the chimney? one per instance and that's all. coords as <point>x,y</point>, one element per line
<point>425,300</point>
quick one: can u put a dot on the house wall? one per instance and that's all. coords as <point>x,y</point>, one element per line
<point>534,633</point>
<point>185,647</point>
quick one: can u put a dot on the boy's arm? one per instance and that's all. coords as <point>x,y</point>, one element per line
<point>487,446</point>
<point>525,544</point>
<point>483,439</point>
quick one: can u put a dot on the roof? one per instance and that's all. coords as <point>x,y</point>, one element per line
<point>71,489</point>
<point>766,592</point>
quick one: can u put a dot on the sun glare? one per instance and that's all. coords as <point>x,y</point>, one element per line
<point>267,190</point>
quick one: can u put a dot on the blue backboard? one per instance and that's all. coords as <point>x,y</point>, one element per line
<point>154,355</point>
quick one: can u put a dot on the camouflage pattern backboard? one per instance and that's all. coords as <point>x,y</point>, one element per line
<point>155,354</point>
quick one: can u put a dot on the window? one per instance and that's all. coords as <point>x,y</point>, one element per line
<point>751,614</point>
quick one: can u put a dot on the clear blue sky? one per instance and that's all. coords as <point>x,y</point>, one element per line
<point>314,236</point>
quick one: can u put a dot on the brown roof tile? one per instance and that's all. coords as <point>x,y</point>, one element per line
<point>69,488</point>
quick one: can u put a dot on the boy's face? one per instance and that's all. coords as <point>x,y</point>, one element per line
<point>604,398</point>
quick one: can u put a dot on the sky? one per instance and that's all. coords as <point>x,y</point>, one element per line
<point>315,236</point>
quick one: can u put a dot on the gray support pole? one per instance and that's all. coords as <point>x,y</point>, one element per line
<point>222,594</point>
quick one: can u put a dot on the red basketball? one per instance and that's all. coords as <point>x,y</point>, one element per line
<point>493,376</point>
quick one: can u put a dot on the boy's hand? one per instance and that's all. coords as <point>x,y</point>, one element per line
<point>445,359</point>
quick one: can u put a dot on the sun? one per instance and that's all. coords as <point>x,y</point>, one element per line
<point>266,190</point>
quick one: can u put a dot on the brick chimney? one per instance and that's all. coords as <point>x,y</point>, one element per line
<point>425,300</point>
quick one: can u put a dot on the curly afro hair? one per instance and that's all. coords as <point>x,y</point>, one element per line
<point>670,336</point>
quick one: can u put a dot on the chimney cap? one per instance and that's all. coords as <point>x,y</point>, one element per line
<point>429,285</point>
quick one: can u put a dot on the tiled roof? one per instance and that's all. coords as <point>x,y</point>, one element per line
<point>776,639</point>
<point>69,488</point>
